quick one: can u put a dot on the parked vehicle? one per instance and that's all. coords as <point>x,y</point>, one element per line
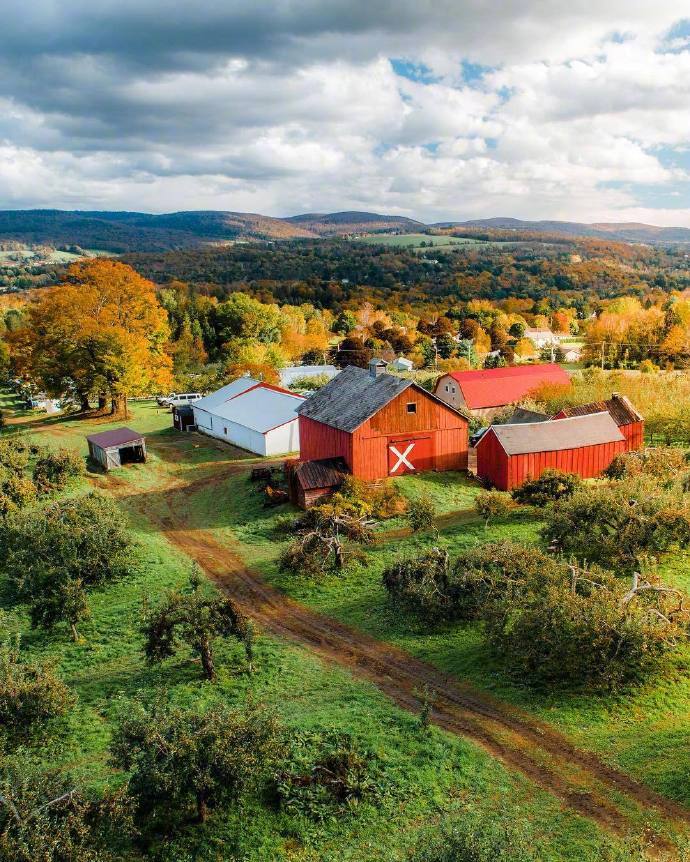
<point>178,399</point>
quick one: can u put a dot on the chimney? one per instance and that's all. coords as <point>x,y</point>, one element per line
<point>376,367</point>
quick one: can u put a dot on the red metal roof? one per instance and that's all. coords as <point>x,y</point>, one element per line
<point>496,387</point>
<point>116,437</point>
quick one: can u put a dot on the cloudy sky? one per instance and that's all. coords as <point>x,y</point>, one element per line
<point>439,109</point>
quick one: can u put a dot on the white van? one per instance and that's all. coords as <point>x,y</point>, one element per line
<point>178,399</point>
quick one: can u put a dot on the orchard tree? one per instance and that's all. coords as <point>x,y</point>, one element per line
<point>492,505</point>
<point>102,332</point>
<point>421,513</point>
<point>619,525</point>
<point>552,485</point>
<point>46,817</point>
<point>30,694</point>
<point>54,554</point>
<point>53,470</point>
<point>324,536</point>
<point>179,758</point>
<point>196,620</point>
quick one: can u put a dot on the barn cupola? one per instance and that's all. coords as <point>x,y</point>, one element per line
<point>376,367</point>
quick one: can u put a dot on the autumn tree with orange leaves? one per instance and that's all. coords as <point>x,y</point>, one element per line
<point>100,334</point>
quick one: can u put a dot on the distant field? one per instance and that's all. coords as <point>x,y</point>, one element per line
<point>415,240</point>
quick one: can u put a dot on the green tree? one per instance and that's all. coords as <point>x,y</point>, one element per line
<point>491,505</point>
<point>422,513</point>
<point>345,323</point>
<point>46,817</point>
<point>30,694</point>
<point>53,470</point>
<point>193,619</point>
<point>180,757</point>
<point>243,318</point>
<point>619,525</point>
<point>550,486</point>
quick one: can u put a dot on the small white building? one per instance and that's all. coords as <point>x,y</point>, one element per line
<point>573,354</point>
<point>402,364</point>
<point>295,372</point>
<point>542,337</point>
<point>255,416</point>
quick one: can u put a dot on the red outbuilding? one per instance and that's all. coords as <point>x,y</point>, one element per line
<point>381,425</point>
<point>622,412</point>
<point>485,392</point>
<point>509,455</point>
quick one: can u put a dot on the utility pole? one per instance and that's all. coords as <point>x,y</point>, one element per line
<point>603,343</point>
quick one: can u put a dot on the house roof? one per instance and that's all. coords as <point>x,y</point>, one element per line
<point>116,437</point>
<point>496,387</point>
<point>260,408</point>
<point>325,473</point>
<point>294,372</point>
<point>620,408</point>
<point>573,433</point>
<point>208,402</point>
<point>352,397</point>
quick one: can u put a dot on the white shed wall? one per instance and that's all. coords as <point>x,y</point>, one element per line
<point>277,441</point>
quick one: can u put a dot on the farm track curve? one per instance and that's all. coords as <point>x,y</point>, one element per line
<point>578,778</point>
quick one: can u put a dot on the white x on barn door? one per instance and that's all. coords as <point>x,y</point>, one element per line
<point>403,459</point>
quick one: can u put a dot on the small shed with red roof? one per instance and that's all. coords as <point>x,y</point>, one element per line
<point>509,455</point>
<point>630,422</point>
<point>112,449</point>
<point>485,392</point>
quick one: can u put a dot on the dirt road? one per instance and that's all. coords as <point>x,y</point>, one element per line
<point>581,780</point>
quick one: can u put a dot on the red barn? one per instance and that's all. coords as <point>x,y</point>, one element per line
<point>623,413</point>
<point>381,425</point>
<point>508,455</point>
<point>485,392</point>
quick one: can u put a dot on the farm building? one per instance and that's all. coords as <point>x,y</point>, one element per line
<point>381,425</point>
<point>541,337</point>
<point>296,372</point>
<point>309,481</point>
<point>112,449</point>
<point>508,455</point>
<point>402,364</point>
<point>255,416</point>
<point>623,413</point>
<point>485,392</point>
<point>183,418</point>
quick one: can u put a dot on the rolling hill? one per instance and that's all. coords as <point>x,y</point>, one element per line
<point>121,232</point>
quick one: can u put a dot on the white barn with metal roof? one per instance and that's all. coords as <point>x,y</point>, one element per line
<point>252,415</point>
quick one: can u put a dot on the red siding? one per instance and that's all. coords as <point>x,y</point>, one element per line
<point>439,435</point>
<point>507,472</point>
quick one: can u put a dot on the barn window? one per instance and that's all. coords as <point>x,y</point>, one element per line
<point>447,388</point>
<point>225,431</point>
<point>412,407</point>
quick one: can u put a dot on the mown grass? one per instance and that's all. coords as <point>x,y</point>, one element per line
<point>433,776</point>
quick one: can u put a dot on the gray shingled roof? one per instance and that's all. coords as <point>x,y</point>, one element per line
<point>352,397</point>
<point>590,430</point>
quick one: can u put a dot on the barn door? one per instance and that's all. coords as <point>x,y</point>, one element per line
<point>409,456</point>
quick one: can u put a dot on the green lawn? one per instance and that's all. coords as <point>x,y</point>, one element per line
<point>436,776</point>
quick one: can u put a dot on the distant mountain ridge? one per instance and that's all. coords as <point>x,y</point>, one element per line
<point>121,232</point>
<point>625,231</point>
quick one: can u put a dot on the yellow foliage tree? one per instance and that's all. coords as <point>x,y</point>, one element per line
<point>103,332</point>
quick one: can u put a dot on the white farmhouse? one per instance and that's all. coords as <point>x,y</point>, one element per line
<point>253,415</point>
<point>542,337</point>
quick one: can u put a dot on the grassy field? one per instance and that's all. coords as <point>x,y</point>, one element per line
<point>414,240</point>
<point>436,776</point>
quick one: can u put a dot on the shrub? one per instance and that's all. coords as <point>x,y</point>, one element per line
<point>328,775</point>
<point>53,470</point>
<point>422,513</point>
<point>491,505</point>
<point>46,817</point>
<point>662,462</point>
<point>474,839</point>
<point>30,694</point>
<point>621,524</point>
<point>377,501</point>
<point>16,492</point>
<point>421,584</point>
<point>586,629</point>
<point>551,485</point>
<point>181,760</point>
